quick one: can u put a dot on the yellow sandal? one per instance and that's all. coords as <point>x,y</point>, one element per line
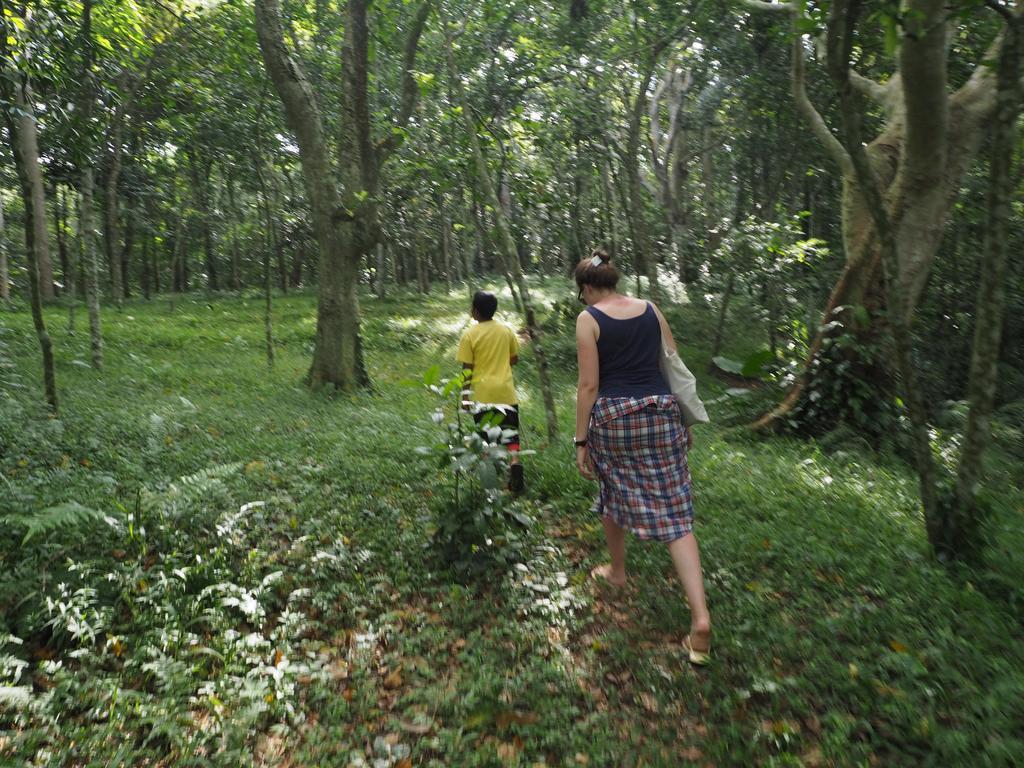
<point>697,658</point>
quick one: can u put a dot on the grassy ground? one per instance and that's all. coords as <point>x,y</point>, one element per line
<point>249,577</point>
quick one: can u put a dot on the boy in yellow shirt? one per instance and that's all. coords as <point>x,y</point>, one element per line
<point>489,349</point>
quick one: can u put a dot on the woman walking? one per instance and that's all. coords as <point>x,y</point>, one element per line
<point>630,437</point>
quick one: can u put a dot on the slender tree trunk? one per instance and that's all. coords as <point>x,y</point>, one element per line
<point>644,260</point>
<point>201,169</point>
<point>144,266</point>
<point>21,127</point>
<point>61,233</point>
<point>723,310</point>
<point>235,216</point>
<point>71,270</point>
<point>87,238</point>
<point>5,278</point>
<point>270,244</point>
<point>179,257</point>
<point>111,203</point>
<point>962,518</point>
<point>508,250</point>
<point>124,262</point>
<point>381,264</point>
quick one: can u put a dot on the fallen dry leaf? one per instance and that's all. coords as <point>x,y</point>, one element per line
<point>508,717</point>
<point>507,751</point>
<point>649,702</point>
<point>394,680</point>
<point>419,729</point>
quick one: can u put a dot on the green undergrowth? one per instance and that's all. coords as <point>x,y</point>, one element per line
<point>204,563</point>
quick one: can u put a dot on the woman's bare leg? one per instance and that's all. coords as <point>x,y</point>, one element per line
<point>615,572</point>
<point>686,558</point>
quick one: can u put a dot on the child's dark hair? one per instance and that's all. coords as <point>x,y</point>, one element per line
<point>485,304</point>
<point>597,270</point>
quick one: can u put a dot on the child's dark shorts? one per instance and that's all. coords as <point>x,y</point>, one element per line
<point>509,423</point>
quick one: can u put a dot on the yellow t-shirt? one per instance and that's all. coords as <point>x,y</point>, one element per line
<point>489,347</point>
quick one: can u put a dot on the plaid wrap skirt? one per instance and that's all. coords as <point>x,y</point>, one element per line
<point>638,447</point>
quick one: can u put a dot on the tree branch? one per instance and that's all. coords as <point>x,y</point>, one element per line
<point>410,88</point>
<point>873,90</point>
<point>806,109</point>
<point>757,5</point>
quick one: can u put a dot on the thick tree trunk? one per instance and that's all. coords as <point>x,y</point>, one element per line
<point>508,251</point>
<point>336,353</point>
<point>21,127</point>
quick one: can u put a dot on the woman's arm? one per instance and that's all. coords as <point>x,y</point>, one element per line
<point>666,332</point>
<point>586,386</point>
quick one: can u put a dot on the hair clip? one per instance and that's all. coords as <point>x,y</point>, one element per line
<point>597,261</point>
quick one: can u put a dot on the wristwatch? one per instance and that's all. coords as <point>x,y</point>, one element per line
<point>579,443</point>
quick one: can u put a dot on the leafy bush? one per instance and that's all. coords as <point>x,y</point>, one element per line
<point>477,527</point>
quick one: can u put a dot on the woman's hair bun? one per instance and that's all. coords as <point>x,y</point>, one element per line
<point>602,254</point>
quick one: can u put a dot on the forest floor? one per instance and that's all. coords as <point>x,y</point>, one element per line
<point>249,577</point>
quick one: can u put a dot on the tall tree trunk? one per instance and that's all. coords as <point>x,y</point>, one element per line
<point>962,516</point>
<point>5,277</point>
<point>841,23</point>
<point>87,239</point>
<point>87,184</point>
<point>125,259</point>
<point>60,229</point>
<point>270,244</point>
<point>508,251</point>
<point>723,312</point>
<point>201,169</point>
<point>179,268</point>
<point>346,233</point>
<point>21,126</point>
<point>379,272</point>
<point>643,257</point>
<point>111,204</point>
<point>144,265</point>
<point>336,352</point>
<point>235,281</point>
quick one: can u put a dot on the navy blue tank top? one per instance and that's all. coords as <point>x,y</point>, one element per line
<point>628,353</point>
